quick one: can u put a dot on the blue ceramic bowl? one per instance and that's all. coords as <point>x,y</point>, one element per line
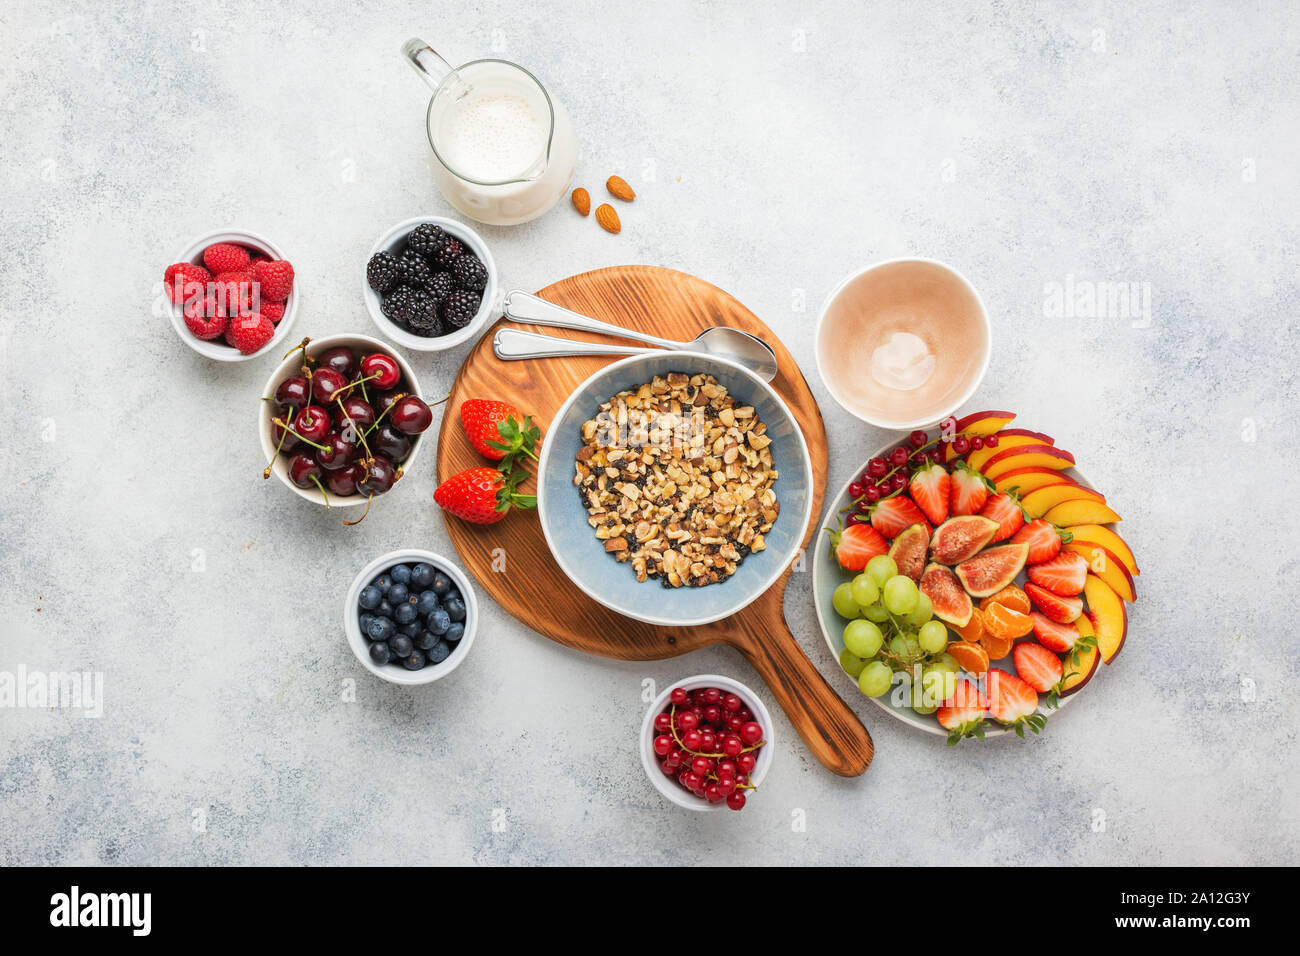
<point>582,556</point>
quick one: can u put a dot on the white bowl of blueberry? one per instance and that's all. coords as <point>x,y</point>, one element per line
<point>410,617</point>
<point>430,283</point>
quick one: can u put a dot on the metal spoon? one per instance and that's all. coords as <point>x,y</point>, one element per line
<point>740,347</point>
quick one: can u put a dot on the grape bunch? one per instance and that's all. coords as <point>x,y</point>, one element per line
<point>892,631</point>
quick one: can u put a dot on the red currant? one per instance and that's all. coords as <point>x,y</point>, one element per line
<point>736,800</point>
<point>675,757</point>
<point>751,733</point>
<point>712,714</point>
<point>713,794</point>
<point>898,482</point>
<point>917,438</point>
<point>746,763</point>
<point>663,722</point>
<point>872,493</point>
<point>711,695</point>
<point>727,768</point>
<point>708,741</point>
<point>691,740</point>
<point>686,720</point>
<point>668,769</point>
<point>990,441</point>
<point>701,766</point>
<point>732,745</point>
<point>731,703</point>
<point>961,444</point>
<point>663,745</point>
<point>678,696</point>
<point>877,467</point>
<point>855,489</point>
<point>976,443</point>
<point>898,457</point>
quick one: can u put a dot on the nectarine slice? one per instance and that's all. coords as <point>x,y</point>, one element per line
<point>1027,456</point>
<point>1081,511</point>
<point>1108,617</point>
<point>1007,439</point>
<point>1024,480</point>
<point>1106,566</point>
<point>1096,534</point>
<point>1080,664</point>
<point>1042,500</point>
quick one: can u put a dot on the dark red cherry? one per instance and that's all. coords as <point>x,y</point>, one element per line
<point>293,392</point>
<point>302,469</point>
<point>381,369</point>
<point>290,439</point>
<point>388,441</point>
<point>379,477</point>
<point>324,383</point>
<point>312,423</point>
<point>358,410</point>
<point>340,359</point>
<point>338,451</point>
<point>381,400</point>
<point>411,415</point>
<point>343,482</point>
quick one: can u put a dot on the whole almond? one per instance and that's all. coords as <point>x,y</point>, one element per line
<point>619,189</point>
<point>608,218</point>
<point>582,200</point>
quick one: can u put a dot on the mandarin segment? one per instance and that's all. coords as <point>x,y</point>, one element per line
<point>1010,596</point>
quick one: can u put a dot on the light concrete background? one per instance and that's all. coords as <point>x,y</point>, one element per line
<point>775,147</point>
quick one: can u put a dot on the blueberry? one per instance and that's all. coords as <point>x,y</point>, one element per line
<point>401,574</point>
<point>369,597</point>
<point>426,602</point>
<point>455,608</point>
<point>401,645</point>
<point>438,653</point>
<point>381,629</point>
<point>379,652</point>
<point>414,661</point>
<point>411,629</point>
<point>438,621</point>
<point>364,619</point>
<point>422,575</point>
<point>441,583</point>
<point>385,609</point>
<point>425,640</point>
<point>398,594</point>
<point>405,613</point>
<point>453,593</point>
<point>454,633</point>
<point>382,583</point>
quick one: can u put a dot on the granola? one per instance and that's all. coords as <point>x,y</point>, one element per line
<point>676,476</point>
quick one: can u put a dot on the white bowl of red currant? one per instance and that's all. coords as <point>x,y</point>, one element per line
<point>706,743</point>
<point>341,419</point>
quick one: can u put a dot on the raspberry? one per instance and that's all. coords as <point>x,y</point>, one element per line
<point>439,286</point>
<point>450,251</point>
<point>248,333</point>
<point>234,292</point>
<point>275,276</point>
<point>226,257</point>
<point>426,239</point>
<point>469,272</point>
<point>382,271</point>
<point>181,275</point>
<point>461,307</point>
<point>204,318</point>
<point>273,311</point>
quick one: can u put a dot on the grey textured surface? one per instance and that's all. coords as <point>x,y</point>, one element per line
<point>775,147</point>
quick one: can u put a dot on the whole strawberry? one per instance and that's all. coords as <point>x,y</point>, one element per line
<point>250,332</point>
<point>482,495</point>
<point>226,257</point>
<point>274,278</point>
<point>497,430</point>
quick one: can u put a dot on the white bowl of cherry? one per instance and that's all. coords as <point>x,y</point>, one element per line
<point>341,419</point>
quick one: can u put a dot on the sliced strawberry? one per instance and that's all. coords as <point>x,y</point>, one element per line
<point>857,544</point>
<point>968,492</point>
<point>1060,609</point>
<point>889,516</point>
<point>1053,635</point>
<point>1043,538</point>
<point>1013,702</point>
<point>929,488</point>
<point>1005,509</point>
<point>963,714</point>
<point>1037,666</point>
<point>1064,574</point>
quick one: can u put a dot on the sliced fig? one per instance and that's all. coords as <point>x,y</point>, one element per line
<point>960,538</point>
<point>990,571</point>
<point>951,604</point>
<point>908,550</point>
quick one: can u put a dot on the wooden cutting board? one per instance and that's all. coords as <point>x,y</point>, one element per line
<point>677,306</point>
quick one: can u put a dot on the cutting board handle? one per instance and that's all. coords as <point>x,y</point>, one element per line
<point>830,729</point>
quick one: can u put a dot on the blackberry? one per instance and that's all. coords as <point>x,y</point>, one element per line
<point>460,308</point>
<point>415,270</point>
<point>382,271</point>
<point>421,315</point>
<point>426,239</point>
<point>439,286</point>
<point>395,302</point>
<point>449,253</point>
<point>469,272</point>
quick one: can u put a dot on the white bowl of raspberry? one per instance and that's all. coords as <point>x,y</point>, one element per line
<point>199,304</point>
<point>430,284</point>
<point>354,428</point>
<point>757,754</point>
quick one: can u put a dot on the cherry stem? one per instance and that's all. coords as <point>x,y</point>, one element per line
<point>369,499</point>
<point>396,398</point>
<point>355,427</point>
<point>277,421</point>
<point>316,481</point>
<point>361,381</point>
<point>301,345</point>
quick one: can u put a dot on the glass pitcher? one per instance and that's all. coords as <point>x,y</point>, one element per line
<point>501,149</point>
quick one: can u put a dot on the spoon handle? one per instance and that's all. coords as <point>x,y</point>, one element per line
<point>515,344</point>
<point>525,307</point>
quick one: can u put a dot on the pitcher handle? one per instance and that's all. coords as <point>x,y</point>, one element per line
<point>431,67</point>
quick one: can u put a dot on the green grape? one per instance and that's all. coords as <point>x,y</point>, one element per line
<point>851,663</point>
<point>922,702</point>
<point>947,662</point>
<point>933,637</point>
<point>939,685</point>
<point>881,568</point>
<point>865,591</point>
<point>901,595</point>
<point>923,611</point>
<point>845,606</point>
<point>875,679</point>
<point>876,613</point>
<point>863,638</point>
<point>904,647</point>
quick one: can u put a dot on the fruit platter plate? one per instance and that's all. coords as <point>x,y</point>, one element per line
<point>1013,581</point>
